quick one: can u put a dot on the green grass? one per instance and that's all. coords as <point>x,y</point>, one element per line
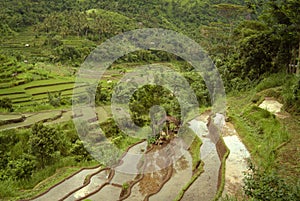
<point>57,70</point>
<point>9,117</point>
<point>40,83</point>
<point>11,91</point>
<point>271,141</point>
<point>46,83</point>
<point>36,117</point>
<point>46,89</point>
<point>124,142</point>
<point>70,93</point>
<point>17,44</point>
<point>21,106</point>
<point>260,130</point>
<point>272,81</point>
<point>36,92</point>
<point>5,85</point>
<point>228,198</point>
<point>33,84</point>
<point>21,100</point>
<point>195,152</point>
<point>104,112</point>
<point>18,96</point>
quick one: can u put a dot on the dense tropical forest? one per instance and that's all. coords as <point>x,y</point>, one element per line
<point>254,44</point>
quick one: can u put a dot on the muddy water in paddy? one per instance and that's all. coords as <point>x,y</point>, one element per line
<point>96,181</point>
<point>205,186</point>
<point>182,173</point>
<point>236,163</point>
<point>107,193</point>
<point>67,186</point>
<point>155,173</point>
<point>162,179</point>
<point>130,162</point>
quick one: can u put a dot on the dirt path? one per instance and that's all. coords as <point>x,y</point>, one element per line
<point>272,105</point>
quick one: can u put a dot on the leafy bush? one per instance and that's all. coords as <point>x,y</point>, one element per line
<point>125,186</point>
<point>21,168</point>
<point>291,95</point>
<point>54,98</point>
<point>79,151</point>
<point>6,103</point>
<point>44,143</point>
<point>239,84</point>
<point>152,139</point>
<point>267,186</point>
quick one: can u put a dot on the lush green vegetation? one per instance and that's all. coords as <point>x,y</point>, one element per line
<point>255,45</point>
<point>262,185</point>
<point>29,156</point>
<point>270,141</point>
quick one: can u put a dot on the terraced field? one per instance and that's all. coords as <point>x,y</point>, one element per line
<point>36,91</point>
<point>29,119</point>
<point>117,183</point>
<point>11,121</point>
<point>97,184</point>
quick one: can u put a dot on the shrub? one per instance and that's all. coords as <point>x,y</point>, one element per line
<point>291,95</point>
<point>125,186</point>
<point>267,186</point>
<point>79,151</point>
<point>44,143</point>
<point>6,103</point>
<point>54,99</point>
<point>152,139</point>
<point>21,168</point>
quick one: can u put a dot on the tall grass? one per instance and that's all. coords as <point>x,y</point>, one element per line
<point>7,189</point>
<point>194,150</point>
<point>261,132</point>
<point>274,80</point>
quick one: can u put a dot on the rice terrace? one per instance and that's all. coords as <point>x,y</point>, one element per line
<point>147,118</point>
